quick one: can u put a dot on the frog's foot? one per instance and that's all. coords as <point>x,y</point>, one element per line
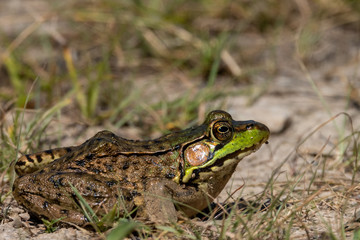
<point>159,205</point>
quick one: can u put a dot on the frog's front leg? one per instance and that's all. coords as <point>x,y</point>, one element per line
<point>158,202</point>
<point>190,199</point>
<point>164,196</point>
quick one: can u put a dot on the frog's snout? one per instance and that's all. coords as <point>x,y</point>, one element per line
<point>262,127</point>
<point>265,132</point>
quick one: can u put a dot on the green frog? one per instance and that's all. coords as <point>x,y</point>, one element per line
<point>182,171</point>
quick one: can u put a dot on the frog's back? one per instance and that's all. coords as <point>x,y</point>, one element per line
<point>165,143</point>
<point>104,155</point>
<point>103,144</point>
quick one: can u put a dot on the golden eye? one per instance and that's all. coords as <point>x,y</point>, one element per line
<point>222,131</point>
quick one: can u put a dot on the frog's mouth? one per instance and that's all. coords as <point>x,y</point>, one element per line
<point>245,152</point>
<point>235,156</point>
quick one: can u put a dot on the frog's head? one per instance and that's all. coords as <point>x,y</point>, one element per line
<point>226,142</point>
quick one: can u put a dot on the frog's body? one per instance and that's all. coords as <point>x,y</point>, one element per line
<point>188,167</point>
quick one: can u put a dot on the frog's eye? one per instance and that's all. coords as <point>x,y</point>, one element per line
<point>222,131</point>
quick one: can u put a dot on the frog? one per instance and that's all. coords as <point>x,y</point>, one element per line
<point>178,174</point>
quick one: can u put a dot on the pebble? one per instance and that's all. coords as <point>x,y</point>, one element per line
<point>17,223</point>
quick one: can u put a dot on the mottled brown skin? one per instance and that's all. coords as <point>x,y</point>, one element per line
<point>99,172</point>
<point>106,168</point>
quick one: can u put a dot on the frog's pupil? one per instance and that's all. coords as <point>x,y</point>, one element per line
<point>223,129</point>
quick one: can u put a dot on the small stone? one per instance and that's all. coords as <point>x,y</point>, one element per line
<point>17,223</point>
<point>25,216</point>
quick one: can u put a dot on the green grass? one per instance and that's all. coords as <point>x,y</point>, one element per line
<point>51,225</point>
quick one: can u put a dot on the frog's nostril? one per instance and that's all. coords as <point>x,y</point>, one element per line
<point>250,126</point>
